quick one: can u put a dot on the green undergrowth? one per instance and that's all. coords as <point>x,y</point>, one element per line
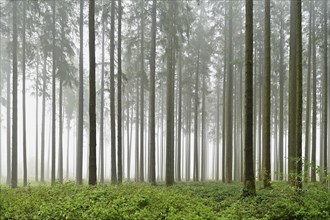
<point>210,200</point>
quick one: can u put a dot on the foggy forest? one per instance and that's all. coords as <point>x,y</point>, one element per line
<point>164,109</point>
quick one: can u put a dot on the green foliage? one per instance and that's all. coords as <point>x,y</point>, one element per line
<point>212,200</point>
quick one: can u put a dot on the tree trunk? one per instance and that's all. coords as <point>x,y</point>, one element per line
<point>8,181</point>
<point>170,100</point>
<point>14,125</point>
<point>92,96</point>
<point>196,174</point>
<point>299,99</point>
<point>249,182</point>
<point>102,109</point>
<point>80,136</point>
<point>266,100</point>
<point>137,131</point>
<point>23,95</point>
<point>119,121</point>
<point>68,148</point>
<point>292,95</point>
<point>308,107</point>
<point>53,99</point>
<point>43,121</point>
<point>142,75</point>
<point>152,143</point>
<point>314,116</point>
<point>112,95</point>
<point>179,118</point>
<point>324,166</point>
<point>229,101</point>
<point>37,123</point>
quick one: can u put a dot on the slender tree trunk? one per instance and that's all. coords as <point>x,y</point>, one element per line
<point>308,107</point>
<point>217,142</point>
<point>23,95</point>
<point>102,109</point>
<point>60,141</point>
<point>80,136</point>
<point>179,118</point>
<point>119,105</point>
<point>68,148</point>
<point>53,99</point>
<point>37,123</point>
<point>169,178</point>
<point>112,95</point>
<point>325,89</point>
<point>314,116</point>
<point>266,100</point>
<point>281,129</point>
<point>292,94</point>
<point>92,95</point>
<point>249,182</point>
<point>203,156</point>
<point>14,125</point>
<point>188,137</point>
<point>142,75</point>
<point>137,131</point>
<point>152,143</point>
<point>129,134</point>
<point>299,99</point>
<point>196,174</point>
<point>8,181</point>
<point>43,121</point>
<point>229,101</point>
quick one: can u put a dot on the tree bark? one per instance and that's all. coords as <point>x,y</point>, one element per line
<point>266,99</point>
<point>249,182</point>
<point>92,96</point>
<point>23,95</point>
<point>53,99</point>
<point>14,125</point>
<point>152,143</point>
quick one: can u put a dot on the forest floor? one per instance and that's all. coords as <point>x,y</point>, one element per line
<point>209,200</point>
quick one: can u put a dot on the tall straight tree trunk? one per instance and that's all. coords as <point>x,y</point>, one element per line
<point>292,94</point>
<point>142,75</point>
<point>102,109</point>
<point>60,141</point>
<point>53,99</point>
<point>8,181</point>
<point>314,116</point>
<point>80,136</point>
<point>229,101</point>
<point>196,174</point>
<point>92,96</point>
<point>129,134</point>
<point>14,125</point>
<point>23,96</point>
<point>169,178</point>
<point>37,123</point>
<point>203,155</point>
<point>43,121</point>
<point>179,118</point>
<point>152,143</point>
<point>224,123</point>
<point>119,145</point>
<point>308,107</point>
<point>112,95</point>
<point>266,99</point>
<point>249,181</point>
<point>137,131</point>
<point>281,126</point>
<point>188,137</point>
<point>299,99</point>
<point>68,148</point>
<point>325,89</point>
<point>217,141</point>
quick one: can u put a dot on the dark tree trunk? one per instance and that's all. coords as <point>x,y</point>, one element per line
<point>80,136</point>
<point>23,95</point>
<point>53,100</point>
<point>43,121</point>
<point>196,173</point>
<point>37,123</point>
<point>152,143</point>
<point>14,125</point>
<point>112,96</point>
<point>299,99</point>
<point>179,150</point>
<point>249,182</point>
<point>292,94</point>
<point>119,121</point>
<point>266,127</point>
<point>92,96</point>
